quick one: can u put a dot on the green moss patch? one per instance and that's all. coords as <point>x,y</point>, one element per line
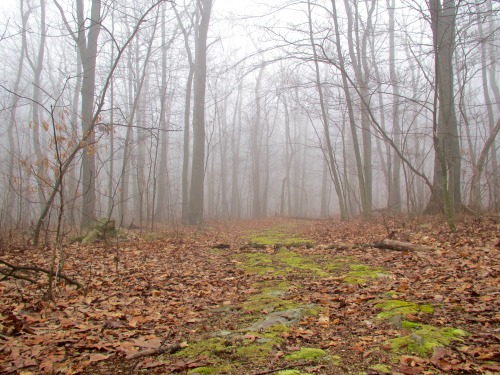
<point>294,261</point>
<point>259,345</point>
<point>267,301</point>
<point>207,370</point>
<point>277,237</point>
<point>202,371</point>
<point>424,338</point>
<point>393,307</point>
<point>258,263</point>
<point>210,347</point>
<point>360,274</point>
<point>306,354</point>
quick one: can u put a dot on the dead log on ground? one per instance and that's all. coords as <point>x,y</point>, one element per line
<point>401,246</point>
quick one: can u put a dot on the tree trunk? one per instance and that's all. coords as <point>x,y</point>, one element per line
<point>358,59</point>
<point>394,201</point>
<point>200,77</point>
<point>446,185</point>
<point>256,145</point>
<point>87,44</point>
<point>235,152</point>
<point>37,121</point>
<point>13,149</point>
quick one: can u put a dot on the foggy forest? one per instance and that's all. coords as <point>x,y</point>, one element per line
<point>250,187</point>
<point>156,112</point>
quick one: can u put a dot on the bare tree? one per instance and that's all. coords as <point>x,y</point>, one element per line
<point>200,77</point>
<point>447,167</point>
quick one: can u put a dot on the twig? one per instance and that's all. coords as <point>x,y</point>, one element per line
<point>35,269</point>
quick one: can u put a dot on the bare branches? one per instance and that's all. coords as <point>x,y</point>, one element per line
<point>13,269</point>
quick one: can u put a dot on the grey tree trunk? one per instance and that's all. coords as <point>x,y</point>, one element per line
<point>37,121</point>
<point>447,166</point>
<point>394,200</point>
<point>199,87</point>
<point>495,169</point>
<point>235,153</point>
<point>187,122</point>
<point>358,56</point>
<point>162,188</point>
<point>87,44</point>
<point>256,148</point>
<point>12,198</point>
<point>350,111</point>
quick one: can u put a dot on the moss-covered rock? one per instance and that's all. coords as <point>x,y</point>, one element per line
<point>295,262</point>
<point>205,370</point>
<point>393,307</point>
<point>258,263</point>
<point>306,354</point>
<point>423,338</point>
<point>360,274</point>
<point>278,237</point>
<point>210,347</point>
<point>103,229</point>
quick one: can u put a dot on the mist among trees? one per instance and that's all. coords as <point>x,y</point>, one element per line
<point>156,112</point>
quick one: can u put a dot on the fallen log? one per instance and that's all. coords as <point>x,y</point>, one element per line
<point>401,246</point>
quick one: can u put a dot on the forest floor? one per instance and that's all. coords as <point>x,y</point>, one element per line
<point>275,296</point>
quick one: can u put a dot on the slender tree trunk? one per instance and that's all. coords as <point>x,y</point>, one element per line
<point>256,144</point>
<point>13,150</point>
<point>87,43</point>
<point>447,167</point>
<point>235,152</point>
<point>160,211</point>
<point>187,122</point>
<point>394,202</point>
<point>496,93</point>
<point>37,121</point>
<point>358,58</point>
<point>199,88</point>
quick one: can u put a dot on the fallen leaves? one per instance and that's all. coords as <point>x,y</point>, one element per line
<point>173,290</point>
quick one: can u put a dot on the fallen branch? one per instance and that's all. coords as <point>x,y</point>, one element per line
<point>170,349</point>
<point>14,269</point>
<point>401,246</point>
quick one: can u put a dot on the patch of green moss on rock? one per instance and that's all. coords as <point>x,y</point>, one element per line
<point>424,338</point>
<point>360,274</point>
<point>270,300</point>
<point>211,347</point>
<point>393,307</point>
<point>262,344</point>
<point>277,236</point>
<point>102,229</point>
<point>207,370</point>
<point>258,263</point>
<point>202,371</point>
<point>292,261</point>
<point>254,352</point>
<point>306,354</point>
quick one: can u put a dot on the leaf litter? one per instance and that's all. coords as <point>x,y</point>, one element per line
<point>145,299</point>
